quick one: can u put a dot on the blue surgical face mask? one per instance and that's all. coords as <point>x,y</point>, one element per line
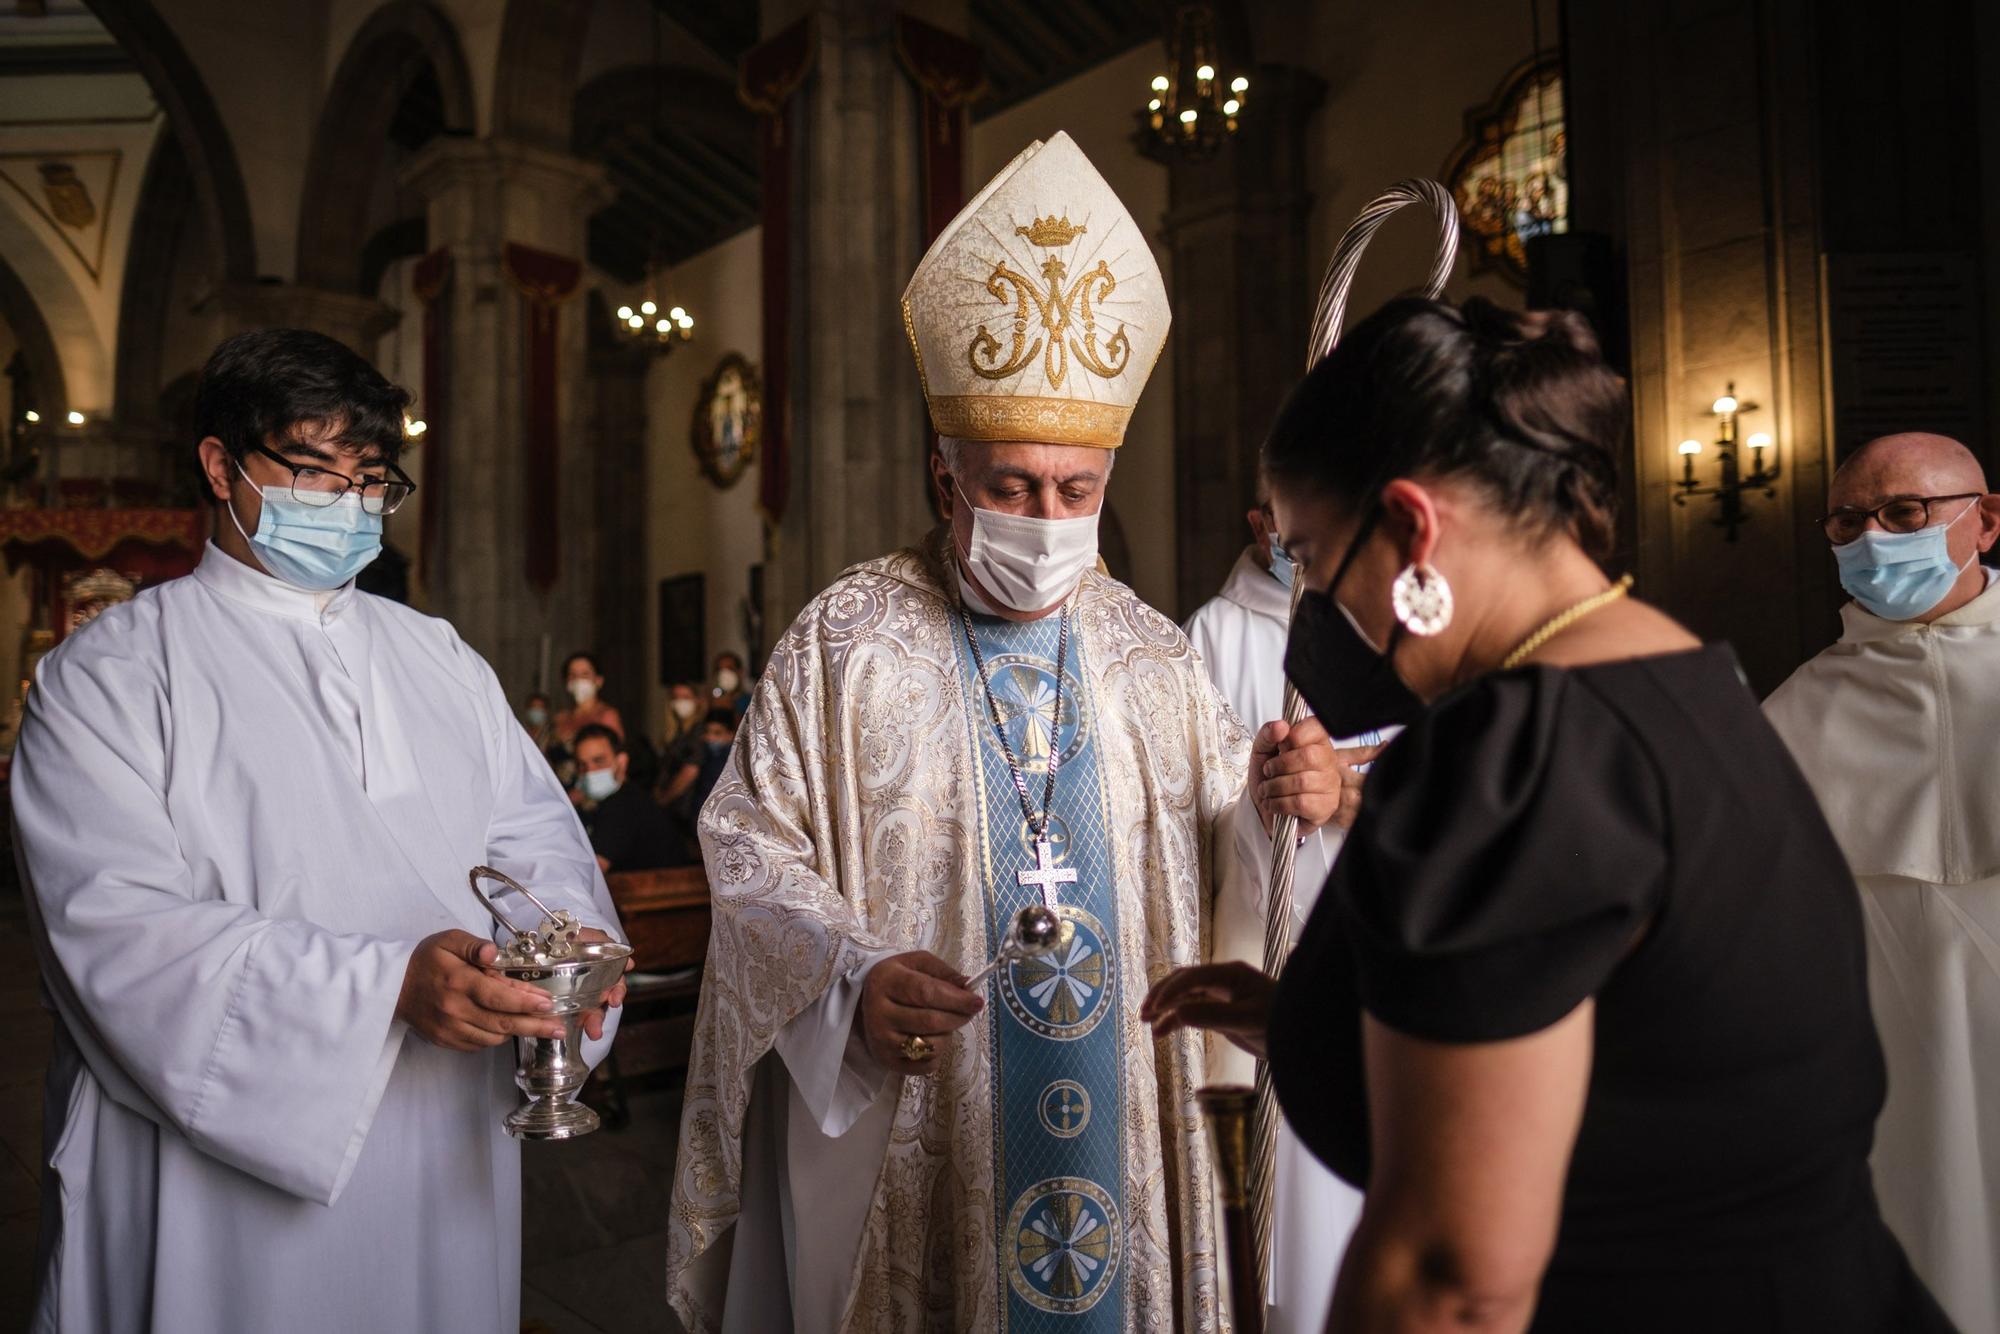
<point>715,750</point>
<point>1282,568</point>
<point>1900,576</point>
<point>314,549</point>
<point>600,783</point>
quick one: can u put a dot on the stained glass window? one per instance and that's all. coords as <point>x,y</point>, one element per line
<point>1511,172</point>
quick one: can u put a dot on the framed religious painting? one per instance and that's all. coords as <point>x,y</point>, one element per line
<point>1510,174</point>
<point>728,420</point>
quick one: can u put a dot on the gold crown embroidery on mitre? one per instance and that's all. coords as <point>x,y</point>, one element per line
<point>1049,232</point>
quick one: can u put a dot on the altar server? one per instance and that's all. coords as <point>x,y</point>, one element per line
<point>246,803</point>
<point>944,736</point>
<point>1895,727</point>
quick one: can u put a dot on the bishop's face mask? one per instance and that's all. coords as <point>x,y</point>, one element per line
<point>1351,685</point>
<point>1028,564</point>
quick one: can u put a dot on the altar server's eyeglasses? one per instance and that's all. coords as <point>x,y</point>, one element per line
<point>319,488</point>
<point>1905,514</point>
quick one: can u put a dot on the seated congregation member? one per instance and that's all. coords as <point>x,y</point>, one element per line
<point>537,722</point>
<point>680,738</point>
<point>585,685</point>
<point>698,777</point>
<point>730,690</point>
<point>1895,728</point>
<point>245,804</point>
<point>628,830</point>
<point>1583,1006</point>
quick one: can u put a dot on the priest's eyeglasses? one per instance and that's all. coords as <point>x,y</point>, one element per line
<point>320,488</point>
<point>1905,514</point>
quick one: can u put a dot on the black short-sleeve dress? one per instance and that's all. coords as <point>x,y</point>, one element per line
<point>1633,832</point>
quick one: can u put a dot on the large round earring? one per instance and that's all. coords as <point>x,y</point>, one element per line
<point>1421,599</point>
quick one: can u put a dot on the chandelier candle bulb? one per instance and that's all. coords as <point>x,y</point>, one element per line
<point>1690,446</point>
<point>1760,440</point>
<point>1205,73</point>
<point>624,312</point>
<point>1239,85</point>
<point>76,419</point>
<point>32,416</point>
<point>648,308</point>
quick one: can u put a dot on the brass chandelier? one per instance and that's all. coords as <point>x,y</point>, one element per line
<point>1193,110</point>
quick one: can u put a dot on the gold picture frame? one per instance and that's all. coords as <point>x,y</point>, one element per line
<point>728,424</point>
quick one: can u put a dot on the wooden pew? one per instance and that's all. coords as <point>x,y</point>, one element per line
<point>666,916</point>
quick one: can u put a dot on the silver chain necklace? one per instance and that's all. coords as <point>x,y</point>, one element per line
<point>1045,875</point>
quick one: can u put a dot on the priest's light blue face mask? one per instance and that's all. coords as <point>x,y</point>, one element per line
<point>1282,568</point>
<point>317,548</point>
<point>1900,576</point>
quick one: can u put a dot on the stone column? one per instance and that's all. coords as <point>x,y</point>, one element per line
<point>483,194</point>
<point>1696,141</point>
<point>620,593</point>
<point>859,436</point>
<point>1236,229</point>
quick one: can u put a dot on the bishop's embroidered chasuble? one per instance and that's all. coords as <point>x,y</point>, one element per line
<point>1053,1172</point>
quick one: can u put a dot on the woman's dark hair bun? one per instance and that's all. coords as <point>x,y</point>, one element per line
<point>1519,402</point>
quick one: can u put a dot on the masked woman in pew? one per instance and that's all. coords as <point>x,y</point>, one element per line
<point>1583,1006</point>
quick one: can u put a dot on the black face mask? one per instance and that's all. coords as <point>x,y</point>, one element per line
<point>1351,688</point>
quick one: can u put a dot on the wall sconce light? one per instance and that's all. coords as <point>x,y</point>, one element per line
<point>76,419</point>
<point>31,416</point>
<point>1728,491</point>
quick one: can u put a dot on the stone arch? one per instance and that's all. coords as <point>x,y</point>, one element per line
<point>38,348</point>
<point>165,193</point>
<point>541,53</point>
<point>42,294</point>
<point>196,125</point>
<point>396,46</point>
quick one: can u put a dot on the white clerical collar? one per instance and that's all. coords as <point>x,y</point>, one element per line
<point>231,578</point>
<point>1254,588</point>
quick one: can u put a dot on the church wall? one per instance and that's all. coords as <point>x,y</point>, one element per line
<point>692,526</point>
<point>1096,109</point>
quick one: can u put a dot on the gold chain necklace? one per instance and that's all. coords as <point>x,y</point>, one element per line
<point>1563,620</point>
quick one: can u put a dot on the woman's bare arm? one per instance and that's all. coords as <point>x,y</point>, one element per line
<point>1471,1146</point>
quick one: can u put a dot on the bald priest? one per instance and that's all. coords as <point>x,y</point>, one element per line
<point>945,736</point>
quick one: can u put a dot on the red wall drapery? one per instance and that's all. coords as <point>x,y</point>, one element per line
<point>544,281</point>
<point>947,71</point>
<point>770,74</point>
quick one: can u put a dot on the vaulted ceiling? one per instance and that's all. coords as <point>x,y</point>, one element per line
<point>682,152</point>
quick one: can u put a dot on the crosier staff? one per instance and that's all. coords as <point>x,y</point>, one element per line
<point>1328,315</point>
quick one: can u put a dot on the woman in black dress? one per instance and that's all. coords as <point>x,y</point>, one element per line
<point>1583,1005</point>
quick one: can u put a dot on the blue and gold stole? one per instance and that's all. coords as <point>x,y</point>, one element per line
<point>1058,1050</point>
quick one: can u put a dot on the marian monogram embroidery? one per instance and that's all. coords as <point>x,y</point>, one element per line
<point>1066,315</point>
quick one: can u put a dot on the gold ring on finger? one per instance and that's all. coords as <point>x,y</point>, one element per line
<point>917,1049</point>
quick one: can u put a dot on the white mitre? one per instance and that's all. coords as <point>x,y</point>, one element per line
<point>1038,313</point>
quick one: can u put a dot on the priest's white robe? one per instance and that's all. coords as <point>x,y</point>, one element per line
<point>816,1192</point>
<point>1240,634</point>
<point>238,808</point>
<point>1896,727</point>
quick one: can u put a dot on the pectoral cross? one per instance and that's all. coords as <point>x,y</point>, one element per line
<point>1046,877</point>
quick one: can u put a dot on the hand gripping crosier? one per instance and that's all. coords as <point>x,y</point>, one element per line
<point>575,974</point>
<point>1328,315</point>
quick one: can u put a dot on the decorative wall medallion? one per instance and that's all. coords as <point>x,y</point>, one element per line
<point>728,420</point>
<point>1510,174</point>
<point>73,194</point>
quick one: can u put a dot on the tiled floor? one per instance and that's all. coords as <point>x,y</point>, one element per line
<point>594,1220</point>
